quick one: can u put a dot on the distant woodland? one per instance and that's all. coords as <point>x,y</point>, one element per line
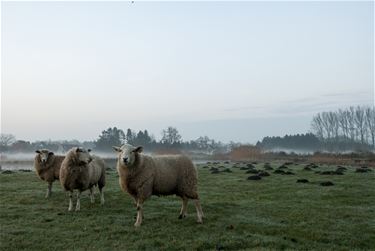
<point>351,129</point>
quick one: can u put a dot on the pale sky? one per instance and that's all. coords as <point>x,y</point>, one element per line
<point>229,70</point>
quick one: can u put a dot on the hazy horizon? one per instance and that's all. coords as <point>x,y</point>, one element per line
<point>232,71</point>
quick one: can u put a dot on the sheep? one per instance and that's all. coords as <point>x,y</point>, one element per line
<point>80,170</point>
<point>142,176</point>
<point>47,167</point>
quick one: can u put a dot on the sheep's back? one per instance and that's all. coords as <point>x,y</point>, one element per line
<point>173,174</point>
<point>57,165</point>
<point>96,170</point>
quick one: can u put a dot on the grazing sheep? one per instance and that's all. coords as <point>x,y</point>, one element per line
<point>142,176</point>
<point>47,167</point>
<point>82,171</point>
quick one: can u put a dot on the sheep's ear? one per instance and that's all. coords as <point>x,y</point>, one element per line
<point>138,149</point>
<point>50,153</point>
<point>116,148</point>
<point>37,151</point>
<point>89,150</point>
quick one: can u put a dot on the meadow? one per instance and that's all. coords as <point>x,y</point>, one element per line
<point>274,213</point>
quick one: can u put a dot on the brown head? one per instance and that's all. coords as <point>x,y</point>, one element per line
<point>127,154</point>
<point>44,155</point>
<point>79,156</point>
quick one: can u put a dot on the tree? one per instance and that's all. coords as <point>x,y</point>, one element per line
<point>370,121</point>
<point>171,136</point>
<point>130,137</point>
<point>317,126</point>
<point>6,140</point>
<point>108,138</point>
<point>359,120</point>
<point>343,119</point>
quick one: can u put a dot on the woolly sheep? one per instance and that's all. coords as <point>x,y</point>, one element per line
<point>82,171</point>
<point>47,167</point>
<point>142,176</point>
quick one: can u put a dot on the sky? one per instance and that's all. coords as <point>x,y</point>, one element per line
<point>230,70</point>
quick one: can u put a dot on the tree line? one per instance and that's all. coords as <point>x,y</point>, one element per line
<point>308,142</point>
<point>170,140</point>
<point>350,126</point>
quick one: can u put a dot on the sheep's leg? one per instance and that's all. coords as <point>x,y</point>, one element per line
<point>101,195</point>
<point>92,198</point>
<point>78,206</point>
<point>199,211</point>
<point>183,208</point>
<point>70,201</point>
<point>139,214</point>
<point>49,190</point>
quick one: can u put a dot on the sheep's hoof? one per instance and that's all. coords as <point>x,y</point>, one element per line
<point>137,224</point>
<point>70,209</point>
<point>77,209</point>
<point>200,221</point>
<point>181,216</point>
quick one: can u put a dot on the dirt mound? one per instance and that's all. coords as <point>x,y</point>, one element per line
<point>24,170</point>
<point>278,171</point>
<point>7,172</point>
<point>363,169</point>
<point>282,167</point>
<point>249,165</point>
<point>302,181</point>
<point>263,174</point>
<point>326,183</point>
<point>312,165</point>
<point>254,177</point>
<point>245,168</point>
<point>341,169</point>
<point>254,171</point>
<point>214,169</point>
<point>331,173</point>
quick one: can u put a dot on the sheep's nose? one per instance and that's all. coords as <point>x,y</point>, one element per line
<point>90,159</point>
<point>125,160</point>
<point>43,161</point>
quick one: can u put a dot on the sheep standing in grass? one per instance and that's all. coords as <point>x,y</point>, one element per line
<point>82,171</point>
<point>142,176</point>
<point>47,167</point>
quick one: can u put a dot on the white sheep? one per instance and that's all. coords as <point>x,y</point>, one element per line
<point>82,171</point>
<point>142,176</point>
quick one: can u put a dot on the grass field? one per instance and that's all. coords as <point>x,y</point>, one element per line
<point>272,213</point>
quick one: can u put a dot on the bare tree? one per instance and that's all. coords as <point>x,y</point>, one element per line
<point>343,120</point>
<point>370,122</point>
<point>351,121</point>
<point>326,124</point>
<point>6,140</point>
<point>334,124</point>
<point>171,136</point>
<point>317,126</point>
<point>360,122</point>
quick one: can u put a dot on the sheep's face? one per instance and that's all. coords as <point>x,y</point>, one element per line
<point>83,155</point>
<point>127,154</point>
<point>44,155</point>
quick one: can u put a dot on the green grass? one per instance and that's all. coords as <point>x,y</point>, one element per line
<point>273,213</point>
